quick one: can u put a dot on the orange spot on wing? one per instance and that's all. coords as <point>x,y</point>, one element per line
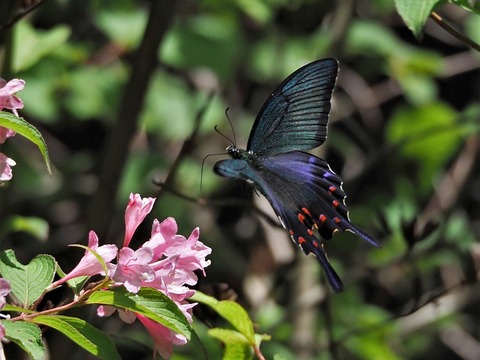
<point>305,210</point>
<point>335,203</point>
<point>301,240</point>
<point>323,218</point>
<point>337,220</point>
<point>291,232</point>
<point>301,218</point>
<point>310,232</point>
<point>316,244</point>
<point>332,189</point>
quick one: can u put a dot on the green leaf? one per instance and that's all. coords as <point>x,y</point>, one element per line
<point>236,345</point>
<point>35,226</point>
<point>429,134</point>
<point>28,282</point>
<point>33,44</point>
<point>82,333</point>
<point>230,311</point>
<point>150,303</point>
<point>26,335</point>
<point>415,13</point>
<point>22,127</point>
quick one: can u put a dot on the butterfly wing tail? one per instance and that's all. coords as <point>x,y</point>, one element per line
<point>362,234</point>
<point>332,277</point>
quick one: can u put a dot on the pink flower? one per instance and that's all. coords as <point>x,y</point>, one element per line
<point>5,134</point>
<point>7,98</point>
<point>6,167</point>
<point>163,234</point>
<point>89,265</point>
<point>163,337</point>
<point>136,211</point>
<point>4,291</point>
<point>107,310</point>
<point>132,268</point>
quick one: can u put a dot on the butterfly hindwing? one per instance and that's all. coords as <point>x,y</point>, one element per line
<point>295,116</point>
<point>305,194</point>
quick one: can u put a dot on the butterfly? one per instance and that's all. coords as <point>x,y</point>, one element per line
<point>302,189</point>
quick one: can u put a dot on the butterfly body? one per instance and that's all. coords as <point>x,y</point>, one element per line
<point>304,192</point>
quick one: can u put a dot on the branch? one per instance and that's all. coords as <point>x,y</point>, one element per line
<point>467,41</point>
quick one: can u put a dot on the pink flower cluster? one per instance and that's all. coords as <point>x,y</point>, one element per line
<point>8,100</point>
<point>166,262</point>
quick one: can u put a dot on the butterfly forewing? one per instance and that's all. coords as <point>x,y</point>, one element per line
<point>295,116</point>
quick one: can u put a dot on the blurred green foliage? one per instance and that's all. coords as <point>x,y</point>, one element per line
<point>403,135</point>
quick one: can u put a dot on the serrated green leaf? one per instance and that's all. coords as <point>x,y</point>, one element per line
<point>82,333</point>
<point>22,127</point>
<point>28,282</point>
<point>148,302</point>
<point>237,346</point>
<point>230,311</point>
<point>415,13</point>
<point>154,305</point>
<point>26,335</point>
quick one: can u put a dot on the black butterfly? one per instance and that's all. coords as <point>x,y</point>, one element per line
<point>302,189</point>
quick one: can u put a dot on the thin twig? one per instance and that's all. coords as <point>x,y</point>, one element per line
<point>466,40</point>
<point>10,24</point>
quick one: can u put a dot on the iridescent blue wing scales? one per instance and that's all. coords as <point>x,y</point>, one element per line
<point>295,116</point>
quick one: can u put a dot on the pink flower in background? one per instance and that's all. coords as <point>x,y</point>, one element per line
<point>8,100</point>
<point>4,291</point>
<point>8,90</point>
<point>89,265</point>
<point>135,212</point>
<point>6,167</point>
<point>5,134</point>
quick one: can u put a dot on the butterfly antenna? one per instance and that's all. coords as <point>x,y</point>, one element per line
<point>231,126</point>
<point>225,136</point>
<point>203,163</point>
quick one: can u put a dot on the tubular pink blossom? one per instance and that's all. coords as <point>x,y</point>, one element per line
<point>135,212</point>
<point>89,265</point>
<point>163,337</point>
<point>6,167</point>
<point>5,134</point>
<point>7,98</point>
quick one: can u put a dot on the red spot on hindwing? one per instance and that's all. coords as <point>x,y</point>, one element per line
<point>335,203</point>
<point>305,210</point>
<point>337,220</point>
<point>301,217</point>
<point>315,244</point>
<point>322,218</point>
<point>332,189</point>
<point>301,240</point>
<point>310,232</point>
